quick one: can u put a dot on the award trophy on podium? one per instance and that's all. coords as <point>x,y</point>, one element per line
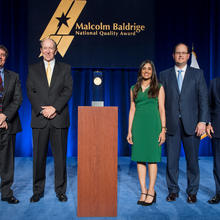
<point>97,89</point>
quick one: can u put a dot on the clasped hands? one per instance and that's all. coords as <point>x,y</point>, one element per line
<point>3,123</point>
<point>48,112</point>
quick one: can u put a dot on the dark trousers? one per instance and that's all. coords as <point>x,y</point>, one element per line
<point>216,163</point>
<point>7,148</point>
<point>191,148</point>
<point>58,142</point>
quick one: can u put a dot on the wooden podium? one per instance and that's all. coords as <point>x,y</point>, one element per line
<point>97,161</point>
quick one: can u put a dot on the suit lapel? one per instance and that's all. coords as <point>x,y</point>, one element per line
<point>6,81</point>
<point>186,79</point>
<point>55,74</point>
<point>174,79</point>
<point>42,74</point>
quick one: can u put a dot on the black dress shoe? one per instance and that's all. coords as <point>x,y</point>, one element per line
<point>172,197</point>
<point>215,199</point>
<point>62,197</point>
<point>191,198</point>
<point>11,200</point>
<point>139,202</point>
<point>153,201</point>
<point>36,197</point>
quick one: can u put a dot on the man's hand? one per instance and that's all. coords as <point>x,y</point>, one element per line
<point>53,115</point>
<point>4,125</point>
<point>2,118</point>
<point>200,129</point>
<point>48,111</point>
<point>209,130</point>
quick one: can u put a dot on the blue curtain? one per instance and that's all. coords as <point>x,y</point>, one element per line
<point>117,84</point>
<point>195,22</point>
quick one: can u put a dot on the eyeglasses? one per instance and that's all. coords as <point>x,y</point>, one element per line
<point>2,55</point>
<point>181,53</point>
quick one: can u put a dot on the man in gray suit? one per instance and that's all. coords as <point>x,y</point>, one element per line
<point>186,104</point>
<point>10,101</point>
<point>49,88</point>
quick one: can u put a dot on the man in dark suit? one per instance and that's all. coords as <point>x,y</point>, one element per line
<point>186,104</point>
<point>213,131</point>
<point>10,101</point>
<point>49,88</point>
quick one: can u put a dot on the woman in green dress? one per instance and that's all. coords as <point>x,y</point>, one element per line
<point>147,128</point>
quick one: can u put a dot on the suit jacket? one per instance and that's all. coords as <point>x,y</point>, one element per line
<point>191,103</point>
<point>57,95</point>
<point>214,100</point>
<point>12,99</point>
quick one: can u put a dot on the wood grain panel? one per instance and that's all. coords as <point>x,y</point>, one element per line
<point>97,161</point>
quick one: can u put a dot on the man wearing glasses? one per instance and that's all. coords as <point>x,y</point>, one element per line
<point>186,107</point>
<point>10,101</point>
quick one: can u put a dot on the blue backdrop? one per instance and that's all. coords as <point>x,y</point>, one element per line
<point>195,22</point>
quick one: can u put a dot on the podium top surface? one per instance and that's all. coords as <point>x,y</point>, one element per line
<point>96,107</point>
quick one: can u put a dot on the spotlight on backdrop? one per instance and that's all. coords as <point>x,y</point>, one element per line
<point>97,90</point>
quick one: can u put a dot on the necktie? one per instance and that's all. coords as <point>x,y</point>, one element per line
<point>180,79</point>
<point>48,72</point>
<point>1,91</point>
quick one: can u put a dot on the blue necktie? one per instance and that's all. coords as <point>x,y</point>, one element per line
<point>180,79</point>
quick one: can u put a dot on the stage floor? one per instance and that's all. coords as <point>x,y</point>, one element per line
<point>128,194</point>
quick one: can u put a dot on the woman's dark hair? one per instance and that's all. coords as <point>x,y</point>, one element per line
<point>154,86</point>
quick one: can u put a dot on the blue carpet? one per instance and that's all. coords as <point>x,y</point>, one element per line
<point>49,208</point>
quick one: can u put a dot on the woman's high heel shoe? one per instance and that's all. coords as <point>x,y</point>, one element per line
<point>153,201</point>
<point>139,202</point>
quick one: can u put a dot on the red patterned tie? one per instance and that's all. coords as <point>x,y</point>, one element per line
<point>1,92</point>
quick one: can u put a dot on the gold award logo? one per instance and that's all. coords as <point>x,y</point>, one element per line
<point>62,23</point>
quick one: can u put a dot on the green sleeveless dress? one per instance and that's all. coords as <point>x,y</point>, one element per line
<point>146,128</point>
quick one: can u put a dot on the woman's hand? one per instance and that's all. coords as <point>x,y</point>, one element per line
<point>129,138</point>
<point>162,137</point>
